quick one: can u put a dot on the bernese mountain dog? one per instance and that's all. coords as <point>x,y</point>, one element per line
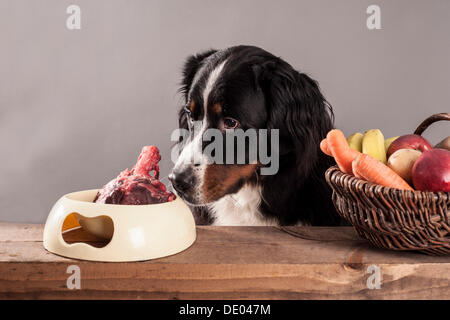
<point>247,87</point>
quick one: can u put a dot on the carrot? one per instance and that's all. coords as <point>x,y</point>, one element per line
<point>356,173</point>
<point>342,153</point>
<point>70,222</point>
<point>324,147</point>
<point>377,172</point>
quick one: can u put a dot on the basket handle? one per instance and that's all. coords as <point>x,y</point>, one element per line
<point>432,119</point>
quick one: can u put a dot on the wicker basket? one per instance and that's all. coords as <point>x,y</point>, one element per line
<point>391,218</point>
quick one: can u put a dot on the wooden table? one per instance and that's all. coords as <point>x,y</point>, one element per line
<point>229,263</point>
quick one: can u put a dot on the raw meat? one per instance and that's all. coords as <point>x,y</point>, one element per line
<point>140,185</point>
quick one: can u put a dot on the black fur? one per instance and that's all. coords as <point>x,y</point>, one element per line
<point>190,68</point>
<point>293,103</point>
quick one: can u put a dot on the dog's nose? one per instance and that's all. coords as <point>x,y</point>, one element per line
<point>181,181</point>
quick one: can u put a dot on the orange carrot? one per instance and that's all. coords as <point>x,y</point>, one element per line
<point>324,147</point>
<point>375,171</point>
<point>340,150</point>
<point>356,173</point>
<point>70,222</point>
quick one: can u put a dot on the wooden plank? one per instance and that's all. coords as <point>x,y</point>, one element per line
<point>12,232</point>
<point>228,263</point>
<point>222,281</point>
<point>234,245</point>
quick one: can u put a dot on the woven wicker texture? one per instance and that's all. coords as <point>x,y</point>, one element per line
<point>391,218</point>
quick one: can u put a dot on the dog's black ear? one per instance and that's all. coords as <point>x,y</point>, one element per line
<point>190,68</point>
<point>299,110</point>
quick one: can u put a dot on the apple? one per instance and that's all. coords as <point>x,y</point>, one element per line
<point>409,141</point>
<point>402,162</point>
<point>431,171</point>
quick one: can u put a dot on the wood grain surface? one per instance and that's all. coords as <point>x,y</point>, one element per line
<point>226,263</point>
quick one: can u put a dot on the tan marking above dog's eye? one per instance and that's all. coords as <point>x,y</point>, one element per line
<point>192,106</point>
<point>217,108</point>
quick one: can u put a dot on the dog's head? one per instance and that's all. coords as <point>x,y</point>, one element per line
<point>244,87</point>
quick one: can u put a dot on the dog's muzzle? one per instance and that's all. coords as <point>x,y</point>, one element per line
<point>184,181</point>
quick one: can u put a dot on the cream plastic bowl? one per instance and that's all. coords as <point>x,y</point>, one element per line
<point>136,232</point>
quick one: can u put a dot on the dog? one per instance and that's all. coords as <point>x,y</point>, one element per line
<point>249,88</point>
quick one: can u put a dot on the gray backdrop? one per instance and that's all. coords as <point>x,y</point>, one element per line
<point>77,106</point>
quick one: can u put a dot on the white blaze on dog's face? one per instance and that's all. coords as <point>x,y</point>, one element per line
<point>191,164</point>
<point>220,97</point>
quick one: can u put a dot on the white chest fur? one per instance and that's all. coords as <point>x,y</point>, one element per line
<point>240,209</point>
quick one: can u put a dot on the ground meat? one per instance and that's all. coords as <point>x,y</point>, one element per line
<point>140,185</point>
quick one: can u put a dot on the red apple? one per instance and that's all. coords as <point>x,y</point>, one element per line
<point>409,141</point>
<point>431,171</point>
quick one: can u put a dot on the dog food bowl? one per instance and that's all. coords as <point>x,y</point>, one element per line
<point>135,232</point>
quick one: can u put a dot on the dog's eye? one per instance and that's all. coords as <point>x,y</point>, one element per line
<point>230,123</point>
